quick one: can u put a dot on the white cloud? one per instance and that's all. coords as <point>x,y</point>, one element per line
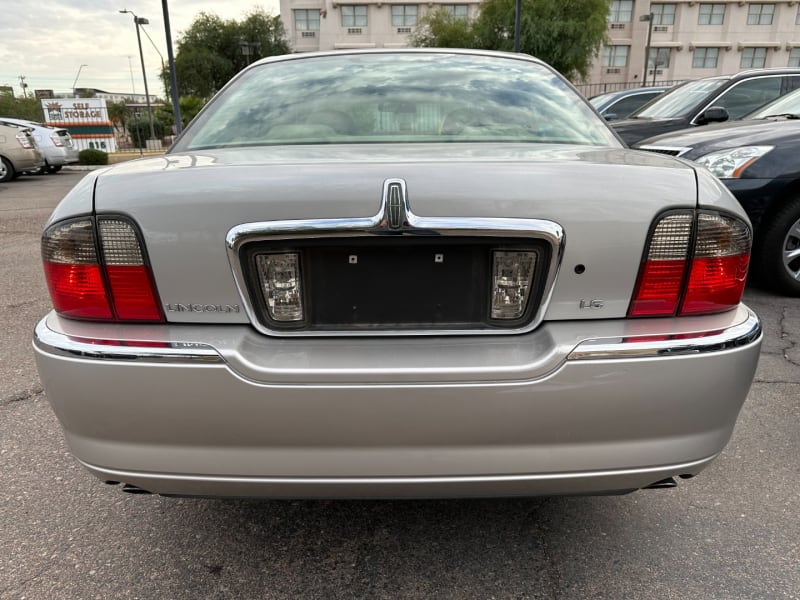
<point>48,41</point>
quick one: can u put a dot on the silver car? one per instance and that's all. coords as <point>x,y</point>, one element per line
<point>18,151</point>
<point>399,273</point>
<point>55,143</point>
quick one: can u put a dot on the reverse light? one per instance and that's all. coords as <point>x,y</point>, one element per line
<point>281,284</point>
<point>512,276</point>
<point>95,270</point>
<point>731,163</point>
<point>693,265</point>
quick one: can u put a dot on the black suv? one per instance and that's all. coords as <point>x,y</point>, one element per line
<point>708,100</point>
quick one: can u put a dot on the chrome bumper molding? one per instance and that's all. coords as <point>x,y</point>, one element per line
<point>59,344</point>
<point>736,336</point>
<point>123,475</point>
<point>703,342</point>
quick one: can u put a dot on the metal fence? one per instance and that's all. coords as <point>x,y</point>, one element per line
<point>595,89</point>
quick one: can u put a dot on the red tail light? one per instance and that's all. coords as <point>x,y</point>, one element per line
<point>57,140</point>
<point>96,270</point>
<point>693,265</point>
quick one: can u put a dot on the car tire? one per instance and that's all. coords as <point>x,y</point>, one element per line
<point>778,250</point>
<point>7,172</point>
<point>53,168</point>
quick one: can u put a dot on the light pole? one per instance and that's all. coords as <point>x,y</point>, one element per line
<point>517,24</point>
<point>74,83</point>
<point>649,19</point>
<point>176,106</point>
<point>246,46</point>
<point>142,21</point>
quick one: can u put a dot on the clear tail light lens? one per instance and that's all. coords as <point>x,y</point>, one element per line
<point>695,264</point>
<point>281,284</point>
<point>101,277</point>
<point>57,140</point>
<point>512,276</point>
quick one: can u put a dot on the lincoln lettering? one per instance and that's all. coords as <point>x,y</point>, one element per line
<point>214,308</point>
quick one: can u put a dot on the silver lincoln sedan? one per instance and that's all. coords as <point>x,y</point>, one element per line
<point>400,273</point>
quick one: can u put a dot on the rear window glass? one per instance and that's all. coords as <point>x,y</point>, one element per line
<point>680,101</point>
<point>385,98</point>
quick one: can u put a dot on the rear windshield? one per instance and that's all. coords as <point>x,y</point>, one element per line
<point>386,98</point>
<point>680,101</point>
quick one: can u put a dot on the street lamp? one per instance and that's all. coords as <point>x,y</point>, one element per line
<point>245,46</point>
<point>142,21</point>
<point>176,107</point>
<point>74,83</point>
<point>649,19</point>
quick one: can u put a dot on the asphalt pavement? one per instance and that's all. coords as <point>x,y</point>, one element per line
<point>733,532</point>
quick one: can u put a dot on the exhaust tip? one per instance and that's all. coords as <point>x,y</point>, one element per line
<point>664,484</point>
<point>132,489</point>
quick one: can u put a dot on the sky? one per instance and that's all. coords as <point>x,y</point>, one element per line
<point>47,41</point>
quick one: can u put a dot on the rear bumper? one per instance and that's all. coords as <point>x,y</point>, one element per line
<point>570,408</point>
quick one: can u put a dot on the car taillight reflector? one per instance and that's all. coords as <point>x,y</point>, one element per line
<point>77,291</point>
<point>112,284</point>
<point>719,268</point>
<point>694,265</point>
<point>24,141</point>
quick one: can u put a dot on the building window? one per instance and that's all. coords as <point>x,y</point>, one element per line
<point>760,14</point>
<point>753,58</point>
<point>663,14</point>
<point>306,19</point>
<point>621,11</point>
<point>615,56</point>
<point>658,58</point>
<point>404,15</point>
<point>794,57</point>
<point>354,16</point>
<point>459,11</point>
<point>711,14</point>
<point>705,58</point>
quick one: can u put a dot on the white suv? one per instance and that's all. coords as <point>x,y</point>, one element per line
<point>55,143</point>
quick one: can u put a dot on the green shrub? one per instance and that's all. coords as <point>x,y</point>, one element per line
<point>93,157</point>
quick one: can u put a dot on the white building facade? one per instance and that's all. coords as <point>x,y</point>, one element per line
<point>687,39</point>
<point>325,25</point>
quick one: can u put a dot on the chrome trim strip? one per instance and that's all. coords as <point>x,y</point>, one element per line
<point>743,334</point>
<point>411,225</point>
<point>122,475</point>
<point>48,341</point>
<point>666,150</point>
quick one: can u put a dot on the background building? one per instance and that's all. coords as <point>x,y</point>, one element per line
<point>683,39</point>
<point>689,39</point>
<point>327,25</point>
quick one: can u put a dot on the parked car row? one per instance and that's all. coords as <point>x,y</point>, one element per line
<point>757,157</point>
<point>18,151</point>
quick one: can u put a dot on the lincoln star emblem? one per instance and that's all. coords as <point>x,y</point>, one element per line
<point>394,204</point>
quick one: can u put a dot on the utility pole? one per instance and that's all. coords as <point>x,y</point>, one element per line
<point>23,85</point>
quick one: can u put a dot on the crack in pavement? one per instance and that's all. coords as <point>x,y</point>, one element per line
<point>21,396</point>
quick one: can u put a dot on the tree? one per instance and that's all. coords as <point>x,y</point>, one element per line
<point>210,52</point>
<point>567,34</point>
<point>29,109</point>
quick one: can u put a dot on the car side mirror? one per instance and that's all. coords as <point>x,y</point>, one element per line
<point>713,114</point>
